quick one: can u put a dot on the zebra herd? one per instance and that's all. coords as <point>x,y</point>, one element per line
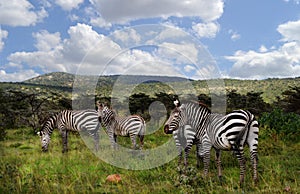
<point>222,132</point>
<point>190,123</point>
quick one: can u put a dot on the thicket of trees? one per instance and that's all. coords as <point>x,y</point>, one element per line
<point>19,109</point>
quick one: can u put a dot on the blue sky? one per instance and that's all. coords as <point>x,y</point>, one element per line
<point>200,39</point>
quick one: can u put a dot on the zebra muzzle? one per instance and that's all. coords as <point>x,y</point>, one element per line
<point>167,130</point>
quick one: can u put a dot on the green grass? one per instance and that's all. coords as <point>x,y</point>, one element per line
<point>25,169</point>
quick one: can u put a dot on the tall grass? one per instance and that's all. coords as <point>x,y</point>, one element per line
<point>25,169</point>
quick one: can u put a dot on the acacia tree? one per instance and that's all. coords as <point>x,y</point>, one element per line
<point>291,100</point>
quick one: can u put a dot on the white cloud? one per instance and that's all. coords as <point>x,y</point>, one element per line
<point>46,41</point>
<point>206,30</point>
<point>100,22</point>
<point>290,30</point>
<point>87,52</point>
<point>20,13</point>
<point>283,61</point>
<point>234,35</point>
<point>68,4</point>
<point>263,49</point>
<point>182,53</point>
<point>127,36</point>
<point>3,35</point>
<point>17,76</point>
<point>120,12</point>
<point>189,68</point>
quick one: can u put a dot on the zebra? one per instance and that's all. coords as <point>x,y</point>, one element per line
<point>131,126</point>
<point>223,132</point>
<point>69,120</point>
<point>184,140</point>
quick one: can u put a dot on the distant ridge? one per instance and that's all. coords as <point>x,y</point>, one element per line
<point>66,79</point>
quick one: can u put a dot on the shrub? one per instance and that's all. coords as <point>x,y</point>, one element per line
<point>279,124</point>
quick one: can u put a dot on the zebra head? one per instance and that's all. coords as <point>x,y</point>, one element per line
<point>105,114</point>
<point>176,119</point>
<point>46,132</point>
<point>100,107</point>
<point>45,140</point>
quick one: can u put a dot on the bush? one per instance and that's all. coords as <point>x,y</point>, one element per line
<point>279,124</point>
<point>2,133</point>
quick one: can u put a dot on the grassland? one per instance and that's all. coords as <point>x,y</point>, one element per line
<point>25,169</point>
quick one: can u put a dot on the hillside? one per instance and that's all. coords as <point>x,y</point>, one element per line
<point>63,83</point>
<point>66,79</point>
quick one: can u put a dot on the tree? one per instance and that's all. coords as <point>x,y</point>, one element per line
<point>139,104</point>
<point>291,100</point>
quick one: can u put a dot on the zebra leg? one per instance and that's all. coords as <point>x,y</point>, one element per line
<point>186,154</point>
<point>179,156</point>
<point>219,165</point>
<point>239,152</point>
<point>206,160</point>
<point>133,141</point>
<point>96,139</point>
<point>254,161</point>
<point>205,152</point>
<point>199,158</point>
<point>141,137</point>
<point>114,141</point>
<point>252,141</point>
<point>64,135</point>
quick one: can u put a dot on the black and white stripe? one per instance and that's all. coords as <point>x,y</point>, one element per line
<point>68,120</point>
<point>184,140</point>
<point>131,126</point>
<point>229,132</point>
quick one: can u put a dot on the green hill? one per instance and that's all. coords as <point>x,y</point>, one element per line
<point>63,83</point>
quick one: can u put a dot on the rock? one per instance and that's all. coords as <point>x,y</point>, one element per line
<point>114,178</point>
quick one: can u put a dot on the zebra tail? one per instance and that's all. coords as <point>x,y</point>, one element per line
<point>143,129</point>
<point>242,132</point>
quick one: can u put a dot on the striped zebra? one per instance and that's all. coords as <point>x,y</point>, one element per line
<point>229,132</point>
<point>69,120</point>
<point>130,126</point>
<point>184,140</point>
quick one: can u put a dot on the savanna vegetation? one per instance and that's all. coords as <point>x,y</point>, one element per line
<point>25,169</point>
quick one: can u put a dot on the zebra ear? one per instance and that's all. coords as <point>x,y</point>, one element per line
<point>177,103</point>
<point>38,133</point>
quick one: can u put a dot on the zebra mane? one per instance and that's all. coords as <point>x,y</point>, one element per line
<point>50,122</point>
<point>199,104</point>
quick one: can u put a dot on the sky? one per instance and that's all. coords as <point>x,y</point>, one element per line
<point>198,39</point>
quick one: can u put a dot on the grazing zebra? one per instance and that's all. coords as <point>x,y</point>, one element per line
<point>68,120</point>
<point>131,126</point>
<point>229,132</point>
<point>184,140</point>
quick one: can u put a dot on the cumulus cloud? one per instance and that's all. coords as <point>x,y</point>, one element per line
<point>206,30</point>
<point>281,62</point>
<point>54,54</point>
<point>129,36</point>
<point>290,31</point>
<point>120,12</point>
<point>87,52</point>
<point>183,53</point>
<point>46,41</point>
<point>68,4</point>
<point>17,76</point>
<point>20,13</point>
